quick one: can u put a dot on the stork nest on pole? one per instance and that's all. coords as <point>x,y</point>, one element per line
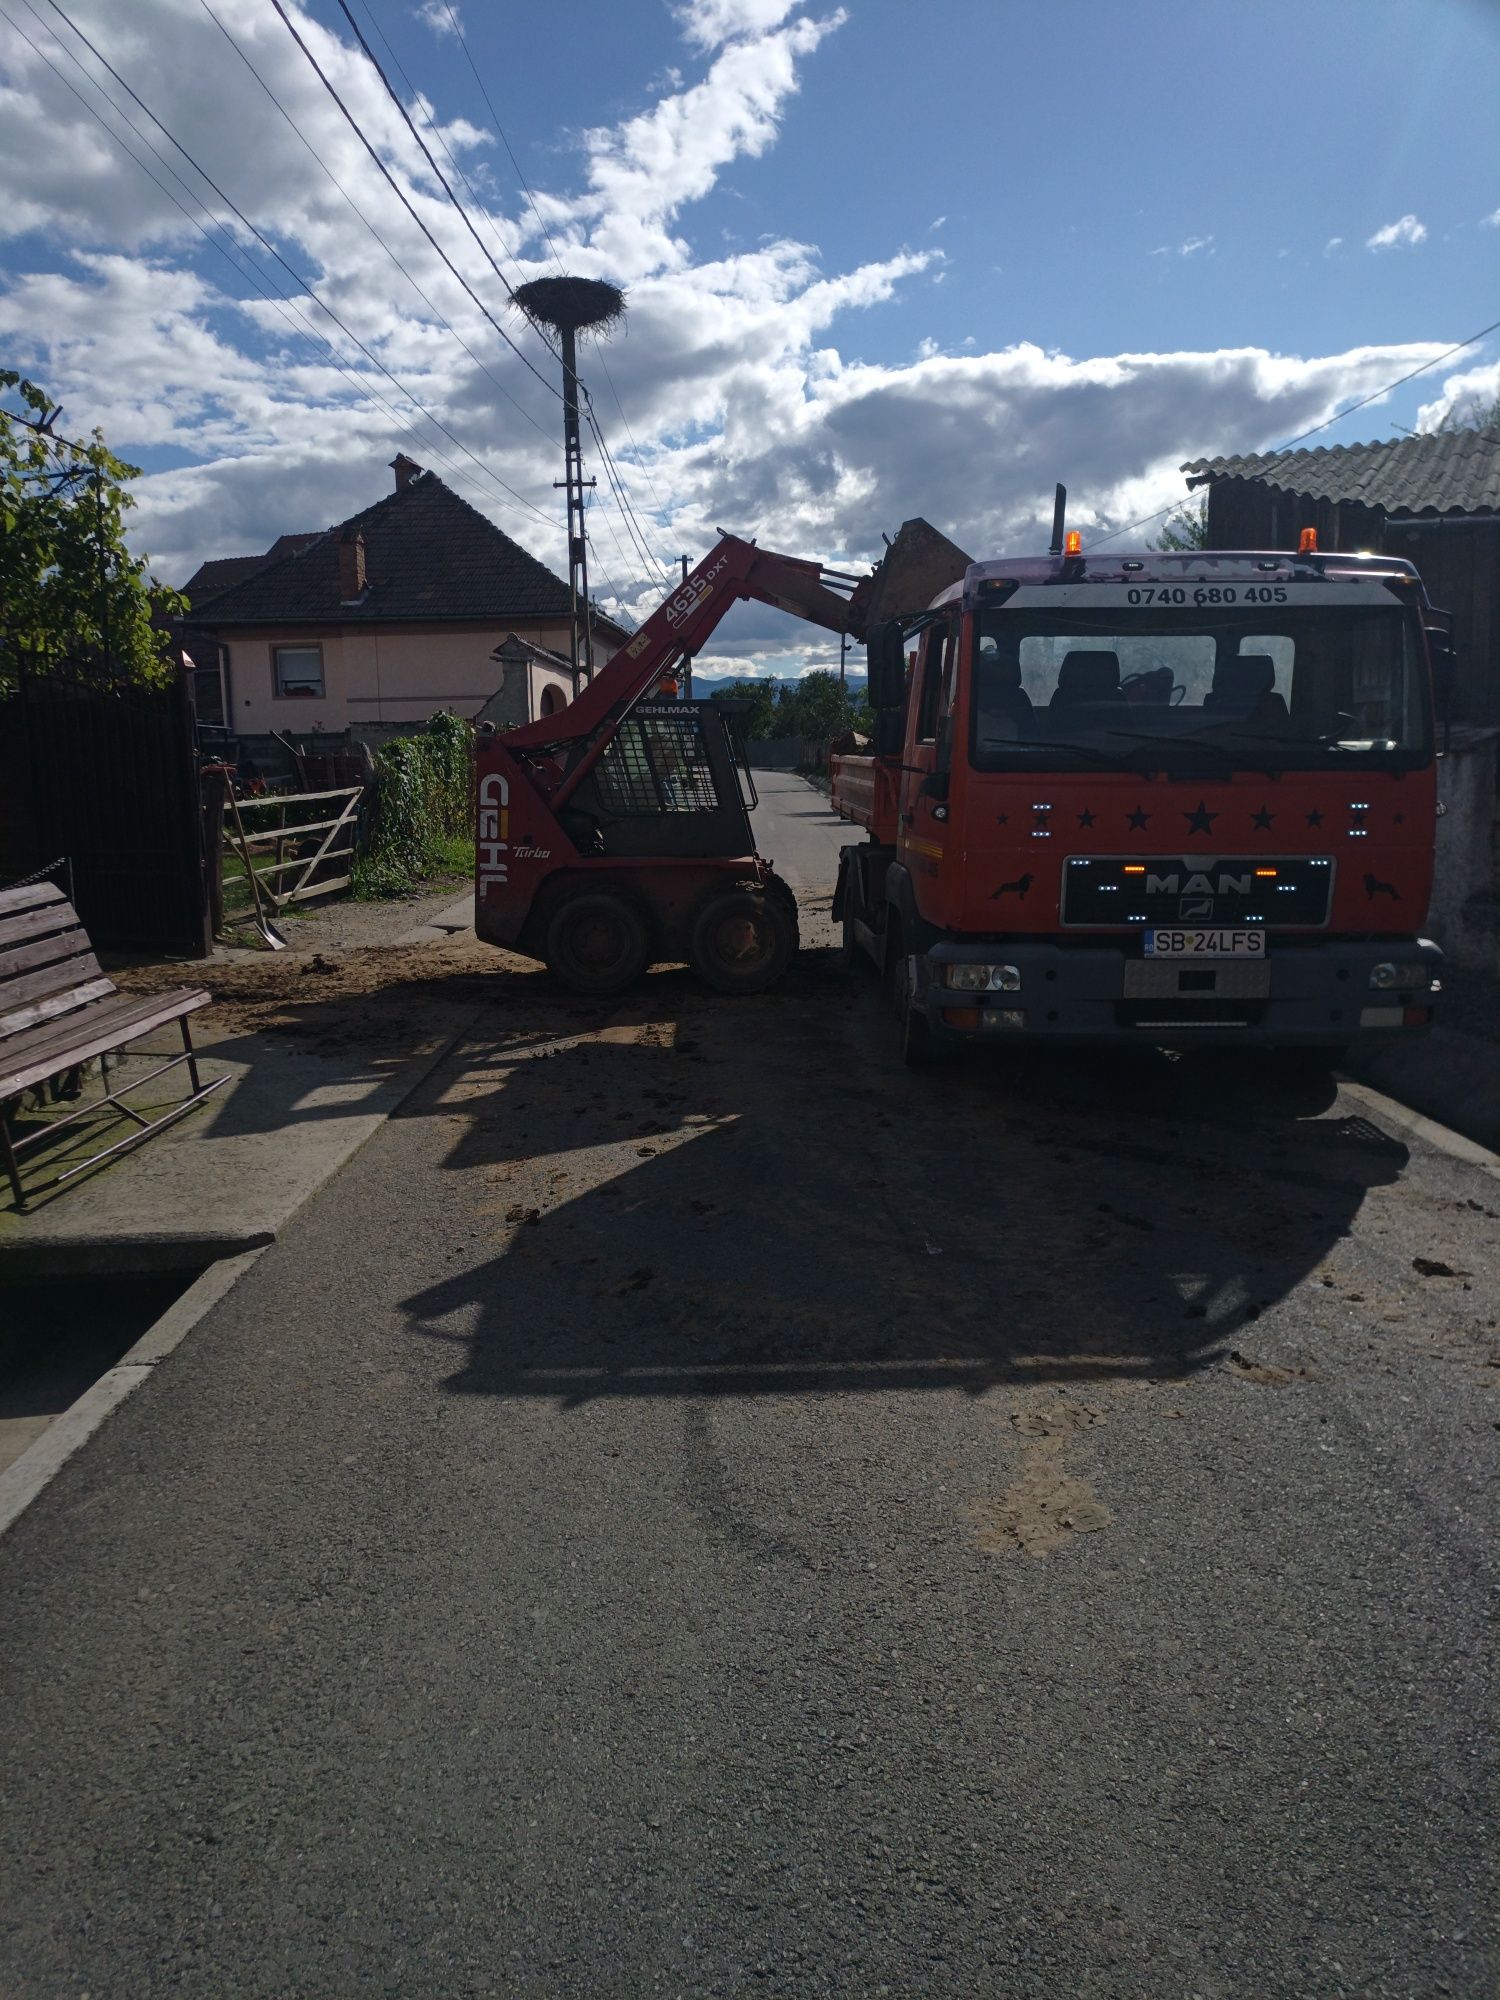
<point>575,303</point>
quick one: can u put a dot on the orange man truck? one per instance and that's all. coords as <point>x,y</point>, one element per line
<point>1179,799</point>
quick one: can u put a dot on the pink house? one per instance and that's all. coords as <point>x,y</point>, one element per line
<point>418,603</point>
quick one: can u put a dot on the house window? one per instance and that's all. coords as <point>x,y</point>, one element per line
<point>298,671</point>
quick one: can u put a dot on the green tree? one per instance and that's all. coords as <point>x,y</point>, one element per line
<point>817,707</point>
<point>761,695</point>
<point>70,590</point>
<point>1185,530</point>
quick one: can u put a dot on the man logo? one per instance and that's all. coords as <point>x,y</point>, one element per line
<point>1193,908</point>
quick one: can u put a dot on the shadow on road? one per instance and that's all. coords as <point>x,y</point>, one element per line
<point>701,1197</point>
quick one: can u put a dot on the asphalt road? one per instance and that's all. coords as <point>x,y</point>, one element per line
<point>692,1509</point>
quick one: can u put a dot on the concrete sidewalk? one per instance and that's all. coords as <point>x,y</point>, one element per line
<point>229,1176</point>
<point>457,916</point>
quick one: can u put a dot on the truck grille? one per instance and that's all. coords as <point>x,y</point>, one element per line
<point>1294,891</point>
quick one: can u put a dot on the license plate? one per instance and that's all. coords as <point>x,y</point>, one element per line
<point>1190,942</point>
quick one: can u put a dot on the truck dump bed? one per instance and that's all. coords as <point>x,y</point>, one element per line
<point>864,791</point>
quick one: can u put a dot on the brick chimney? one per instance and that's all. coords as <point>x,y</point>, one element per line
<point>351,565</point>
<point>406,470</point>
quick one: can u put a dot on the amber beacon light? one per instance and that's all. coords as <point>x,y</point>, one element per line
<point>1307,542</point>
<point>1073,546</point>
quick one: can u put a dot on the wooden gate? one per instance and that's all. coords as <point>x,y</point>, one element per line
<point>300,863</point>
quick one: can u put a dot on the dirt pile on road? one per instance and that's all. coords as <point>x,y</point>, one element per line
<point>381,996</point>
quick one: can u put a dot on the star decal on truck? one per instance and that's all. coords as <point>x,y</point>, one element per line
<point>1138,819</point>
<point>1200,820</point>
<point>1085,818</point>
<point>1262,819</point>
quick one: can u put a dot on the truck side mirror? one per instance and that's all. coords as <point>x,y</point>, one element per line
<point>886,656</point>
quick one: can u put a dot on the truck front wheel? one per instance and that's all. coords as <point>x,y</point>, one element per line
<point>743,939</point>
<point>596,943</point>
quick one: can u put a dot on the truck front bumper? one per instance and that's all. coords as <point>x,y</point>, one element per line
<point>1316,994</point>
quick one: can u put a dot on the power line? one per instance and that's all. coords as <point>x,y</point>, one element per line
<point>622,499</point>
<point>295,275</point>
<point>354,206</point>
<point>616,477</point>
<point>619,549</point>
<point>302,283</point>
<point>453,22</point>
<point>437,132</point>
<point>1337,417</point>
<point>305,330</point>
<point>401,195</point>
<point>639,459</point>
<point>446,185</point>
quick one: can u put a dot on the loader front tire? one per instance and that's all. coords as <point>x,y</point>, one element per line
<point>596,944</point>
<point>743,939</point>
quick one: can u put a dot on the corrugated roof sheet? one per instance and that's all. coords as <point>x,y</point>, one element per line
<point>429,557</point>
<point>1440,472</point>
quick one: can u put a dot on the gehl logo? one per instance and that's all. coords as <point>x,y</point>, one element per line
<point>494,832</point>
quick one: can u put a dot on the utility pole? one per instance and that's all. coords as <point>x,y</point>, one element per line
<point>103,563</point>
<point>580,610</point>
<point>687,665</point>
<point>567,305</point>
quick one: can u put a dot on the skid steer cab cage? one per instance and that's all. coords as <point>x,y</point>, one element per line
<point>673,780</point>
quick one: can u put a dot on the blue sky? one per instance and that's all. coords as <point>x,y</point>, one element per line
<point>1063,144</point>
<point>881,260</point>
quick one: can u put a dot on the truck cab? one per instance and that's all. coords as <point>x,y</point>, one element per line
<point>1181,799</point>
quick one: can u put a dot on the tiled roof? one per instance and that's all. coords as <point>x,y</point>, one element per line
<point>429,557</point>
<point>209,578</point>
<point>1440,472</point>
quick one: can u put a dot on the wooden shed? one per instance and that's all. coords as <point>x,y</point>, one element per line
<point>1433,499</point>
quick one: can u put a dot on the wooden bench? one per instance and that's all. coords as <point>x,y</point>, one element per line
<point>58,1009</point>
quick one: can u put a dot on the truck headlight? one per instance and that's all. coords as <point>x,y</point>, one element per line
<point>1393,973</point>
<point>983,978</point>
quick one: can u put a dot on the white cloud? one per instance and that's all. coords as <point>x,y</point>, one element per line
<point>735,370</point>
<point>437,15</point>
<point>1333,243</point>
<point>1491,221</point>
<point>641,172</point>
<point>707,24</point>
<point>936,224</point>
<point>1406,229</point>
<point>1194,244</point>
<point>1469,389</point>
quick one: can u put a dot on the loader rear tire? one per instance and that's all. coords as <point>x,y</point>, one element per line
<point>596,944</point>
<point>743,939</point>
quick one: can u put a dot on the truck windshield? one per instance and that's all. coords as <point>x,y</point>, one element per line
<point>1279,686</point>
